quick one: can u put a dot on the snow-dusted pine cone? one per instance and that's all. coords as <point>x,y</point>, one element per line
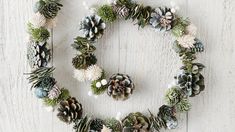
<point>121,10</point>
<point>120,86</point>
<point>92,27</point>
<point>38,54</point>
<point>54,92</point>
<point>70,110</point>
<point>162,18</point>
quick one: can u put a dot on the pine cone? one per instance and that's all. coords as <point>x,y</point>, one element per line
<point>120,86</point>
<point>168,115</point>
<point>136,122</point>
<point>38,54</point>
<point>156,122</point>
<point>39,5</point>
<point>92,27</point>
<point>83,61</point>
<point>162,18</point>
<point>198,46</point>
<point>70,110</point>
<point>82,125</point>
<point>54,92</point>
<point>121,10</point>
<point>191,83</point>
<point>96,125</point>
<point>50,9</point>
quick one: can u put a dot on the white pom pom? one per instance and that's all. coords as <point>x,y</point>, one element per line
<point>90,93</point>
<point>118,116</point>
<point>51,23</point>
<point>98,84</point>
<point>104,82</point>
<point>191,29</point>
<point>186,41</point>
<point>38,20</point>
<point>80,75</point>
<point>93,72</point>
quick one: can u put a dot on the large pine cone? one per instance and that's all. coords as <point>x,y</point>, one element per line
<point>191,83</point>
<point>50,9</point>
<point>136,122</point>
<point>92,27</point>
<point>70,110</point>
<point>38,54</point>
<point>120,86</point>
<point>162,18</point>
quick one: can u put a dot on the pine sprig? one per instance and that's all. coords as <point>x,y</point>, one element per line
<point>39,74</point>
<point>83,45</point>
<point>38,34</point>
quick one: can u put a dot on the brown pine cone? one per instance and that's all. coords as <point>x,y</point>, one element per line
<point>69,110</point>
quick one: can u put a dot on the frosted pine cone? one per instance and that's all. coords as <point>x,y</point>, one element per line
<point>38,20</point>
<point>162,18</point>
<point>54,92</point>
<point>92,27</point>
<point>120,86</point>
<point>93,72</point>
<point>80,75</point>
<point>186,41</point>
<point>121,11</point>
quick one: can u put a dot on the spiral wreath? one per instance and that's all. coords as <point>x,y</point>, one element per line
<point>188,83</point>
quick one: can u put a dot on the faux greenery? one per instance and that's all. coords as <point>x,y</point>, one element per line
<point>113,124</point>
<point>173,95</point>
<point>53,102</point>
<point>106,13</point>
<point>82,61</point>
<point>83,45</point>
<point>183,105</point>
<point>102,89</point>
<point>38,34</point>
<point>179,26</point>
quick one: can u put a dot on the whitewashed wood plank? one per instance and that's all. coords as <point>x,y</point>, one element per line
<point>213,110</point>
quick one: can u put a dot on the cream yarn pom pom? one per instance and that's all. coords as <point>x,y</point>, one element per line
<point>186,41</point>
<point>80,75</point>
<point>38,20</point>
<point>93,72</point>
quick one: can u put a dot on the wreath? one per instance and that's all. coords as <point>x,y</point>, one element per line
<point>188,83</point>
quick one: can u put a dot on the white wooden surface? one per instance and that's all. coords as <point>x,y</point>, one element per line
<point>144,54</point>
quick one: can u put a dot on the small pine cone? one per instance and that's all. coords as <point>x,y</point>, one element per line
<point>38,54</point>
<point>198,46</point>
<point>172,123</point>
<point>162,18</point>
<point>121,10</point>
<point>54,92</point>
<point>156,122</point>
<point>50,9</point>
<point>70,110</point>
<point>92,27</point>
<point>83,61</point>
<point>82,125</point>
<point>168,114</point>
<point>96,125</point>
<point>120,86</point>
<point>136,122</point>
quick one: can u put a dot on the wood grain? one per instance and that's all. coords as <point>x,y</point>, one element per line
<point>144,54</point>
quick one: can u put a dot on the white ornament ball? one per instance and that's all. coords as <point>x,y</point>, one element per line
<point>98,84</point>
<point>38,20</point>
<point>80,75</point>
<point>93,72</point>
<point>104,82</point>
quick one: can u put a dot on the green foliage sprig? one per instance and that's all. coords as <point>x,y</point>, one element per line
<point>106,13</point>
<point>38,34</point>
<point>83,45</point>
<point>53,102</point>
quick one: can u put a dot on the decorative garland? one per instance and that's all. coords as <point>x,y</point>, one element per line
<point>188,83</point>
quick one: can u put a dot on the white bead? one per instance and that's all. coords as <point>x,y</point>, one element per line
<point>98,84</point>
<point>90,93</point>
<point>104,82</point>
<point>173,10</point>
